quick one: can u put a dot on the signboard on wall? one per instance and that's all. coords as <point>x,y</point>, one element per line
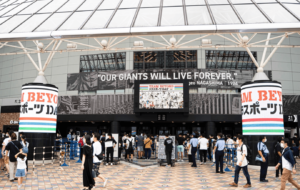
<point>262,112</point>
<point>38,108</point>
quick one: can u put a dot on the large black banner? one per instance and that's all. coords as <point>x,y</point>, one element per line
<point>200,78</point>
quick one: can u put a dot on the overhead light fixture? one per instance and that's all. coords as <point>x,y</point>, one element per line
<point>206,42</point>
<point>104,43</point>
<point>40,45</point>
<point>245,39</point>
<point>141,123</point>
<point>85,120</point>
<point>71,46</point>
<point>183,123</point>
<point>138,44</point>
<point>69,121</point>
<point>173,41</point>
<point>197,123</point>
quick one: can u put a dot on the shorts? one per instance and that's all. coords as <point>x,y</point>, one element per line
<point>128,152</point>
<point>96,167</point>
<point>140,148</point>
<point>20,173</point>
<point>180,148</point>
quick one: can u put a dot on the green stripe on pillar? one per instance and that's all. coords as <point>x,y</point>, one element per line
<point>37,129</point>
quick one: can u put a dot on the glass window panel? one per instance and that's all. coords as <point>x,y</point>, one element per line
<point>75,21</point>
<point>138,60</point>
<point>194,2</point>
<point>17,9</point>
<point>172,3</point>
<point>250,14</point>
<point>147,17</point>
<point>294,8</point>
<point>175,59</point>
<point>12,23</point>
<point>154,59</point>
<point>34,7</point>
<point>17,2</point>
<point>224,15</point>
<point>6,9</point>
<point>70,5</point>
<point>277,13</point>
<point>53,22</point>
<point>216,2</point>
<point>111,4</point>
<point>211,90</point>
<point>89,5</point>
<point>95,22</point>
<point>191,59</point>
<point>172,16</point>
<point>129,3</point>
<point>31,23</point>
<point>3,19</point>
<point>241,1</point>
<point>53,6</point>
<point>289,1</point>
<point>123,18</point>
<point>265,1</point>
<point>152,3</point>
<point>198,15</point>
<point>4,3</point>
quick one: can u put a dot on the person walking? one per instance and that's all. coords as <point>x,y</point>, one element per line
<point>21,167</point>
<point>242,163</point>
<point>180,147</point>
<point>202,146</point>
<point>140,145</point>
<point>148,143</point>
<point>25,148</point>
<point>110,149</point>
<point>194,144</point>
<point>1,156</point>
<point>264,153</point>
<point>219,153</point>
<point>97,150</point>
<point>278,148</point>
<point>5,157</point>
<point>289,166</point>
<point>168,150</point>
<point>87,164</point>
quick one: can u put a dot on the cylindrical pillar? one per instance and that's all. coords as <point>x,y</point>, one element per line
<point>210,128</point>
<point>38,117</point>
<point>115,127</point>
<point>262,114</point>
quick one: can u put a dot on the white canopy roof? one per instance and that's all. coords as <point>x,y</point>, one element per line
<point>44,19</point>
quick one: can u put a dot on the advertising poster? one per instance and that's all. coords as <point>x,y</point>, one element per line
<point>161,148</point>
<point>161,96</point>
<point>38,112</point>
<point>262,112</point>
<point>116,149</point>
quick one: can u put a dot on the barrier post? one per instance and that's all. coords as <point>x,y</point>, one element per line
<point>79,160</point>
<point>75,148</point>
<point>43,156</point>
<point>228,151</point>
<point>64,164</point>
<point>52,155</point>
<point>71,157</point>
<point>33,166</point>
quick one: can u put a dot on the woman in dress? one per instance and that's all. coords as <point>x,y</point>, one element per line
<point>87,164</point>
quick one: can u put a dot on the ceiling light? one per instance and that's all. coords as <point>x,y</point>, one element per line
<point>71,46</point>
<point>206,42</point>
<point>173,41</point>
<point>40,45</point>
<point>104,43</point>
<point>245,39</point>
<point>138,44</point>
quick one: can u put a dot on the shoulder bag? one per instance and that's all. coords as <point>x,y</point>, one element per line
<point>258,158</point>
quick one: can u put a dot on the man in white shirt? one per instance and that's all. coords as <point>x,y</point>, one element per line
<point>97,149</point>
<point>229,142</point>
<point>242,163</point>
<point>289,165</point>
<point>203,145</point>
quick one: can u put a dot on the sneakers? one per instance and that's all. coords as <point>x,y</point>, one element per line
<point>111,164</point>
<point>201,163</point>
<point>106,164</point>
<point>234,184</point>
<point>167,166</point>
<point>19,186</point>
<point>105,182</point>
<point>247,186</point>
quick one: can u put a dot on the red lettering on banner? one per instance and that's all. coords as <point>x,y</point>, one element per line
<point>49,96</point>
<point>279,95</point>
<point>39,97</point>
<point>272,95</point>
<point>31,97</point>
<point>262,95</point>
<point>55,99</point>
<point>22,98</point>
<point>247,97</point>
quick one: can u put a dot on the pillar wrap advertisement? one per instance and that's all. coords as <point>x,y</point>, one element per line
<point>38,108</point>
<point>262,112</point>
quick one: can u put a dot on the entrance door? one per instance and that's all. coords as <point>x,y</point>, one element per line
<point>163,131</point>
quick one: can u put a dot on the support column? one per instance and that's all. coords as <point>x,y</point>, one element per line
<point>210,128</point>
<point>115,127</point>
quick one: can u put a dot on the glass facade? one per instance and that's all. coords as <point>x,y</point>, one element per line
<point>165,59</point>
<point>229,60</point>
<point>102,62</point>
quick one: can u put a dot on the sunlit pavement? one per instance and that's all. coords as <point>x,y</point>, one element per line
<point>130,176</point>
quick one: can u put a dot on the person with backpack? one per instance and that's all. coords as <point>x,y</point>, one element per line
<point>25,149</point>
<point>13,148</point>
<point>288,163</point>
<point>242,163</point>
<point>264,153</point>
<point>129,147</point>
<point>168,149</point>
<point>277,152</point>
<point>148,143</point>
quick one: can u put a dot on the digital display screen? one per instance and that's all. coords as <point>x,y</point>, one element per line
<point>161,96</point>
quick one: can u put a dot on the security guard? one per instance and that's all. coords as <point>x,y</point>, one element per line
<point>219,153</point>
<point>264,153</point>
<point>194,143</point>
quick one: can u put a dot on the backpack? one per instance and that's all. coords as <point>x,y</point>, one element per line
<point>130,145</point>
<point>80,142</point>
<point>25,148</point>
<point>249,152</point>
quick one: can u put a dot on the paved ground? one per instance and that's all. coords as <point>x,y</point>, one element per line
<point>128,176</point>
